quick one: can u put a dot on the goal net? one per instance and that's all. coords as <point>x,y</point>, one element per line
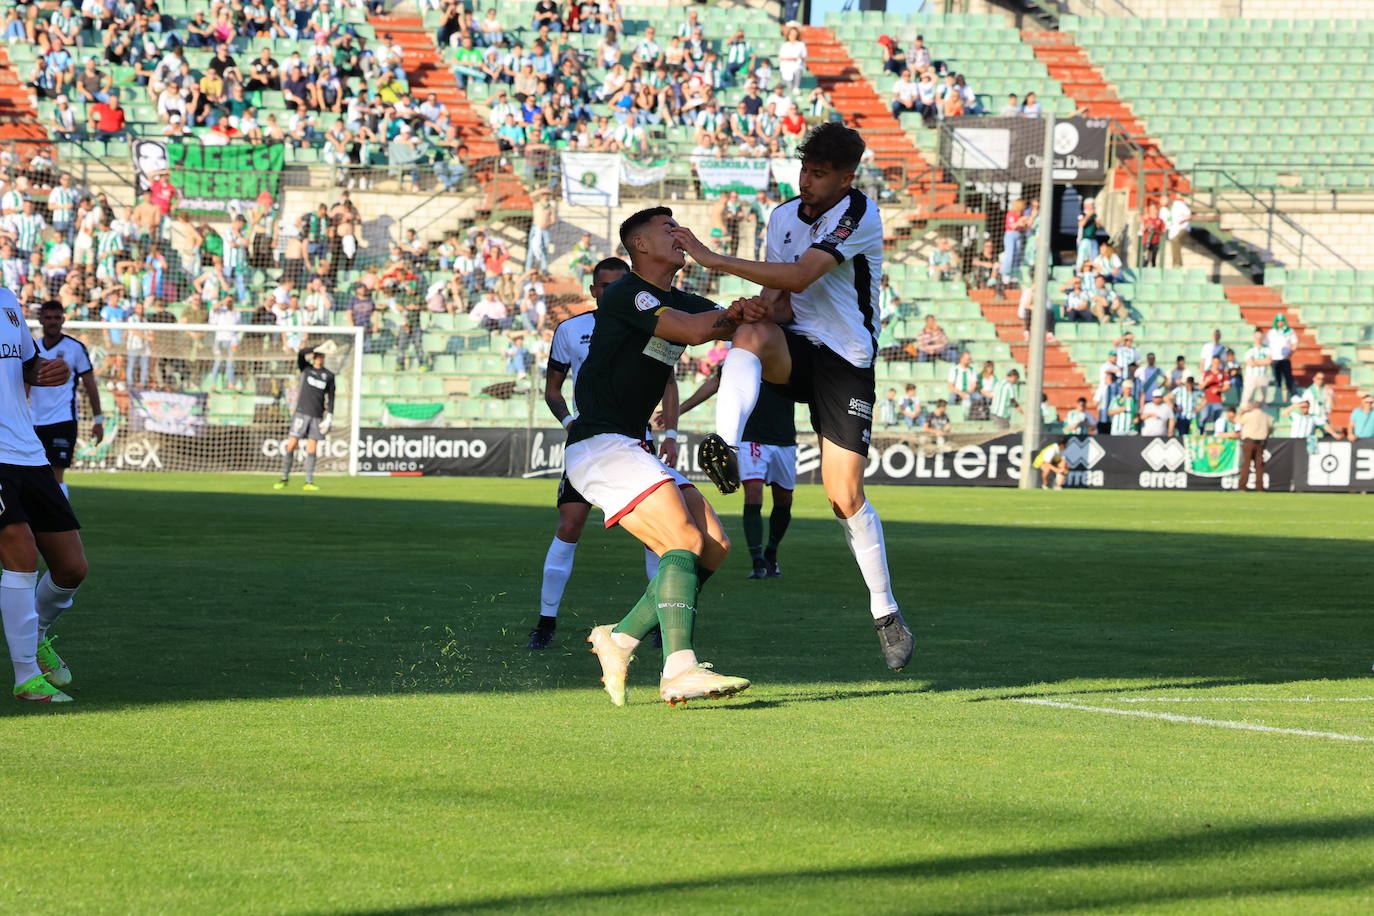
<point>204,397</point>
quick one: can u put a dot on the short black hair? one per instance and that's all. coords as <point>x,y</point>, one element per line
<point>833,144</point>
<point>51,305</point>
<point>1063,440</point>
<point>609,264</point>
<point>630,228</point>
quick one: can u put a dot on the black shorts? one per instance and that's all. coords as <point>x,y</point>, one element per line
<point>567,493</point>
<point>59,442</point>
<point>841,395</point>
<point>31,494</point>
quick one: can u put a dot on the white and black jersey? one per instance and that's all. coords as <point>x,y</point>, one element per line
<point>840,309</point>
<point>316,397</point>
<point>57,404</point>
<point>18,442</point>
<point>571,341</point>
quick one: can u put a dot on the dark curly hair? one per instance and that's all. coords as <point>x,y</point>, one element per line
<point>833,144</point>
<point>636,221</point>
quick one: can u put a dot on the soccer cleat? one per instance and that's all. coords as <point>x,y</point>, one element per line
<point>542,634</point>
<point>38,689</point>
<point>280,484</point>
<point>615,661</point>
<point>699,683</point>
<point>310,487</point>
<point>718,462</point>
<point>896,639</point>
<point>760,570</point>
<point>774,570</point>
<point>52,665</point>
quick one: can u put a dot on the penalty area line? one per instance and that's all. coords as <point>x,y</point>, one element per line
<point>1196,720</point>
<point>1243,700</point>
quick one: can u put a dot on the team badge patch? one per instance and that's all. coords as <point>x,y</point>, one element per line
<point>843,229</point>
<point>645,300</point>
<point>13,316</point>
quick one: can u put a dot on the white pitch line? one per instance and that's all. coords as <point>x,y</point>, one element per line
<point>1197,720</point>
<point>1242,700</point>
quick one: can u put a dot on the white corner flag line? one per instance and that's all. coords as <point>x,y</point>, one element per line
<point>1196,720</point>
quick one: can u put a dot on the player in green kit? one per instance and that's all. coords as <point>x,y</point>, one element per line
<point>643,324</point>
<point>767,457</point>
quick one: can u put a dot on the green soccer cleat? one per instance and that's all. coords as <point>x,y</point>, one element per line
<point>280,484</point>
<point>310,488</point>
<point>52,665</point>
<point>38,690</point>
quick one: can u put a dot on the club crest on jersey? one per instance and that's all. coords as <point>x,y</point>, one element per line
<point>787,239</point>
<point>13,316</point>
<point>645,300</point>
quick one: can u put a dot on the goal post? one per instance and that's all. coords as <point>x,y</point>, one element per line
<point>206,397</point>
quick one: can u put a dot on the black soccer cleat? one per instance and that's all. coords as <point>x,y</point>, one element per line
<point>541,637</point>
<point>774,570</point>
<point>717,461</point>
<point>896,640</point>
<point>760,570</point>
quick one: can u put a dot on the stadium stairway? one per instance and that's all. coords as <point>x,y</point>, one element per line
<point>864,109</point>
<point>426,73</point>
<point>18,116</point>
<point>1064,380</point>
<point>1084,83</point>
<point>1259,305</point>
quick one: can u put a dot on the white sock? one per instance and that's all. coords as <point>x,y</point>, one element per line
<point>864,533</point>
<point>558,564</point>
<point>63,487</point>
<point>650,564</point>
<point>21,622</point>
<point>739,392</point>
<point>678,662</point>
<point>51,600</point>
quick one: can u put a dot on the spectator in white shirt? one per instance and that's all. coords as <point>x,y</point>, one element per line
<point>1031,109</point>
<point>1157,417</point>
<point>1213,348</point>
<point>792,60</point>
<point>906,96</point>
<point>1281,342</point>
<point>1178,224</point>
<point>1257,365</point>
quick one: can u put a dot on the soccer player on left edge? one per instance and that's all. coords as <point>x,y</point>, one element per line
<point>35,518</point>
<point>567,353</point>
<point>643,324</point>
<point>54,407</point>
<point>313,417</point>
<point>767,458</point>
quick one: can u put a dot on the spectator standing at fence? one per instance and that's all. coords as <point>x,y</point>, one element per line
<point>1186,401</point>
<point>1004,399</point>
<point>1304,423</point>
<point>1079,421</point>
<point>792,60</point>
<point>1282,341</point>
<point>1257,365</point>
<point>1014,227</point>
<point>1255,427</point>
<point>1124,410</point>
<point>1362,419</point>
<point>1151,233</point>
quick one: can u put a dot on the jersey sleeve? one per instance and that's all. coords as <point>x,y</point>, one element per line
<point>81,360</point>
<point>859,231</point>
<point>639,308</point>
<point>773,239</point>
<point>560,352</point>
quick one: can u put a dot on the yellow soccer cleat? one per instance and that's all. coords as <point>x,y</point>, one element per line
<point>310,488</point>
<point>615,661</point>
<point>699,683</point>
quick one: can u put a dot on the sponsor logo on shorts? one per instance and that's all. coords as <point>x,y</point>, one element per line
<point>860,408</point>
<point>645,300</point>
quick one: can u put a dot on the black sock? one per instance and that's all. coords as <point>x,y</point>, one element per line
<point>702,575</point>
<point>753,529</point>
<point>547,623</point>
<point>778,520</point>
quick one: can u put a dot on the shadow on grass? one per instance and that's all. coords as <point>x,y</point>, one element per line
<point>219,596</point>
<point>1172,850</point>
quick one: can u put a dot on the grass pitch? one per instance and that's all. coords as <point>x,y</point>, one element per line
<point>321,704</point>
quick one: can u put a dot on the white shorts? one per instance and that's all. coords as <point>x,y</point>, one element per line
<point>773,464</point>
<point>615,473</point>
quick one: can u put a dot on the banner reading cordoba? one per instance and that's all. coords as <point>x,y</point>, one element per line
<point>210,178</point>
<point>591,179</point>
<point>720,176</point>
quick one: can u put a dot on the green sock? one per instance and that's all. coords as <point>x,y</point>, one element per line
<point>677,585</point>
<point>778,520</point>
<point>643,617</point>
<point>753,529</point>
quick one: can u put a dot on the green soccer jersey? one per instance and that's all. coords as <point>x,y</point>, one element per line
<point>773,421</point>
<point>627,367</point>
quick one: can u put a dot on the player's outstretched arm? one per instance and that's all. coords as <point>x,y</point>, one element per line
<point>553,394</point>
<point>792,277</point>
<point>719,324</point>
<point>703,394</point>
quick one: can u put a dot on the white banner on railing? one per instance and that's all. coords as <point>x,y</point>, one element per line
<point>786,174</point>
<point>591,179</point>
<point>637,175</point>
<point>720,176</point>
